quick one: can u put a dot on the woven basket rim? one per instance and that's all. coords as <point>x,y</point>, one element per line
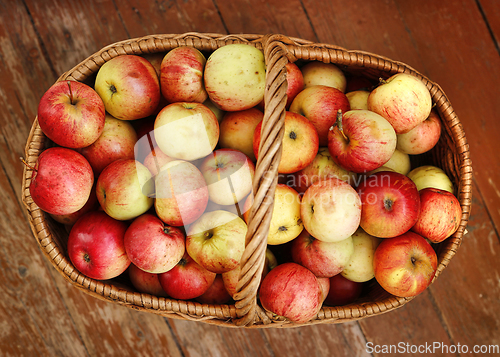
<point>284,49</point>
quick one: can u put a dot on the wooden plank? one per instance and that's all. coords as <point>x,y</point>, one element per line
<point>266,17</point>
<point>491,12</point>
<point>124,331</point>
<point>318,340</point>
<point>218,341</point>
<point>169,17</point>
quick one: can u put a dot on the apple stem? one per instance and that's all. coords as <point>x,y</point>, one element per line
<point>70,92</point>
<point>339,124</point>
<point>382,81</point>
<point>27,165</point>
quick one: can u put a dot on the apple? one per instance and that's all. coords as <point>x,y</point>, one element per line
<point>299,145</point>
<point>291,291</point>
<point>322,167</point>
<point>320,105</point>
<point>70,219</point>
<point>237,130</point>
<point>326,74</point>
<point>361,141</point>
<point>61,181</point>
<point>440,215</point>
<point>286,223</point>
<point>399,162</point>
<point>216,293</point>
<point>155,160</point>
<point>216,241</point>
<point>324,259</point>
<point>155,59</point>
<point>152,245</point>
<point>342,291</point>
<point>95,246</point>
<point>181,193</point>
<point>144,282</point>
<point>235,77</point>
<point>129,87</point>
<point>186,131</point>
<point>431,176</point>
<point>295,80</point>
<point>359,268</point>
<point>181,76</point>
<point>358,99</point>
<point>405,265</point>
<point>331,210</point>
<point>403,100</point>
<point>391,204</point>
<point>229,175</point>
<point>117,141</point>
<point>231,278</point>
<point>324,284</point>
<point>124,189</point>
<point>71,114</point>
<point>421,138</point>
<point>187,280</point>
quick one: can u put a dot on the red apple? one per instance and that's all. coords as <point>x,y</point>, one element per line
<point>324,259</point>
<point>342,291</point>
<point>95,246</point>
<point>405,265</point>
<point>71,114</point>
<point>295,81</point>
<point>390,204</point>
<point>124,189</point>
<point>320,105</point>
<point>299,145</point>
<point>330,210</point>
<point>237,130</point>
<point>129,87</point>
<point>229,175</point>
<point>181,193</point>
<point>181,78</point>
<point>402,99</point>
<point>186,131</point>
<point>70,219</point>
<point>61,181</point>
<point>117,141</point>
<point>361,141</point>
<point>216,293</point>
<point>152,245</point>
<point>291,291</point>
<point>187,280</point>
<point>421,138</point>
<point>145,282</point>
<point>440,214</point>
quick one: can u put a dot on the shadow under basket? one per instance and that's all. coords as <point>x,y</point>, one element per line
<point>451,154</point>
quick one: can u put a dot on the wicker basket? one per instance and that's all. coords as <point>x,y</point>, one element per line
<point>451,154</point>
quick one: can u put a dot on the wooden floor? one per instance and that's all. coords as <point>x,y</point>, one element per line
<point>453,42</point>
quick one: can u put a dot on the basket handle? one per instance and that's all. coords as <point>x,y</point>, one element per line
<point>265,181</point>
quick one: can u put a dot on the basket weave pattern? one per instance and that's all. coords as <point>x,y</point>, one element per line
<point>451,154</point>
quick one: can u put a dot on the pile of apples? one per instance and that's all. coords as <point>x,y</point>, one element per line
<point>152,167</point>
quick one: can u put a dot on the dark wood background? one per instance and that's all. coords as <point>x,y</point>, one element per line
<point>453,42</point>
